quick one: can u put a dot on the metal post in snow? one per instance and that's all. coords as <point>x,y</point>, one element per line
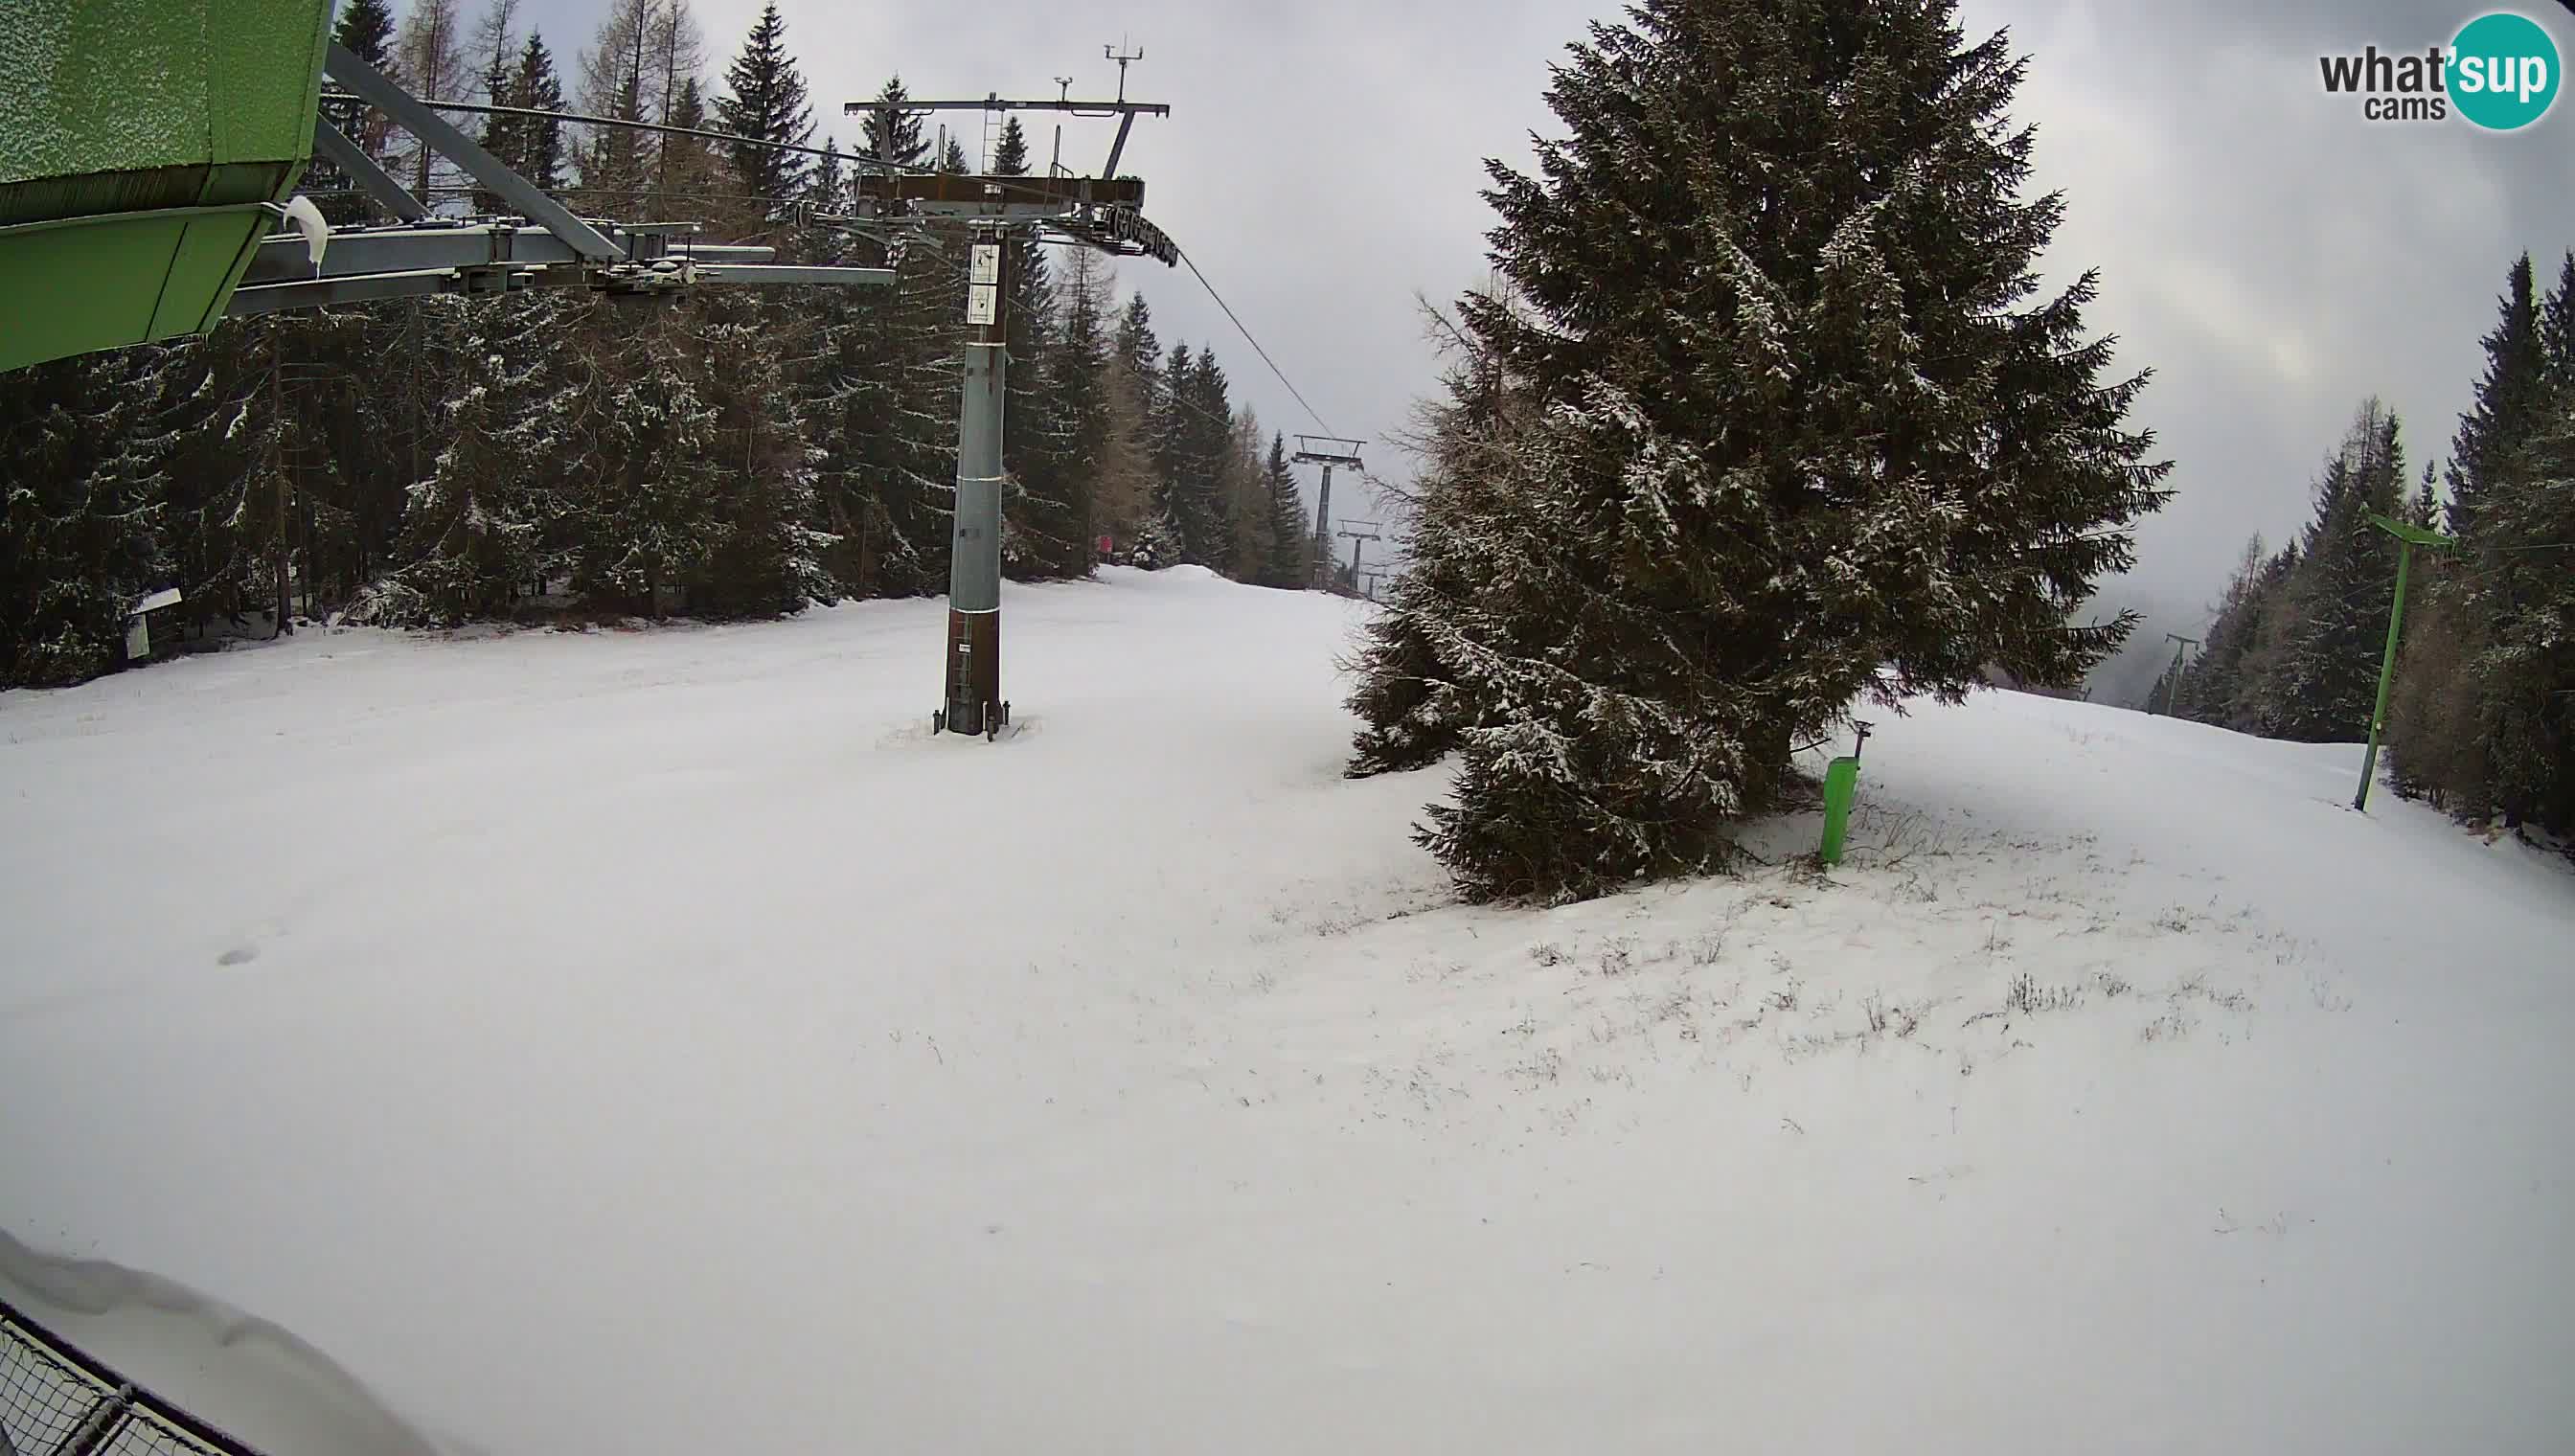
<point>973,668</point>
<point>1322,541</point>
<point>1841,782</point>
<point>277,458</point>
<point>2408,537</point>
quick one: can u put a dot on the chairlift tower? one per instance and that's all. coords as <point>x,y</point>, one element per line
<point>2181,644</point>
<point>997,213</point>
<point>1360,532</point>
<point>1327,450</point>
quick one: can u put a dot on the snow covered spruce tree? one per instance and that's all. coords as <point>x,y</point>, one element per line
<point>655,486</point>
<point>765,557</point>
<point>2312,674</point>
<point>1467,444</point>
<point>2214,690</point>
<point>79,512</point>
<point>473,532</point>
<point>1803,437</point>
<point>765,99</point>
<point>1158,544</point>
<point>1291,547</point>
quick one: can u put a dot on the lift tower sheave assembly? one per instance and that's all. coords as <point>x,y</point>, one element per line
<point>999,215</point>
<point>1327,450</point>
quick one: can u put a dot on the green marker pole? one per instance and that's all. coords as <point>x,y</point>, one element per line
<point>1841,782</point>
<point>2408,537</point>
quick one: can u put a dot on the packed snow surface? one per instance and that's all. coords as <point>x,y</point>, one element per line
<point>658,1041</point>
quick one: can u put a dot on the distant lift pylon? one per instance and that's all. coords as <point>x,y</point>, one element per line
<point>1327,450</point>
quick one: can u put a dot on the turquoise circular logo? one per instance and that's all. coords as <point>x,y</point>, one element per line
<point>2503,71</point>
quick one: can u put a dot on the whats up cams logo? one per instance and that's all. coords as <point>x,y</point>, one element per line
<point>2500,73</point>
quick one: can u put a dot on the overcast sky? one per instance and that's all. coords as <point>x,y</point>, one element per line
<point>2270,255</point>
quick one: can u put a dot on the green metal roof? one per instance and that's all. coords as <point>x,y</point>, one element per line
<point>138,142</point>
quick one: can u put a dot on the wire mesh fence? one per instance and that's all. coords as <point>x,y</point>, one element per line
<point>56,1402</point>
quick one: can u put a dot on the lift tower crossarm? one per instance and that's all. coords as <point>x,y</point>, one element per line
<point>999,103</point>
<point>478,108</point>
<point>501,256</point>
<point>410,248</point>
<point>1047,195</point>
<point>1125,111</point>
<point>1311,453</point>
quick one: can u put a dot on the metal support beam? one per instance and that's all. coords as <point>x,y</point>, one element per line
<point>1117,148</point>
<point>999,103</point>
<point>372,179</point>
<point>778,273</point>
<point>433,244</point>
<point>1309,452</point>
<point>98,1424</point>
<point>252,300</point>
<point>1045,193</point>
<point>356,252</point>
<point>622,123</point>
<point>1323,526</point>
<point>371,87</point>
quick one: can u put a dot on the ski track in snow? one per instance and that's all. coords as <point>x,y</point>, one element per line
<point>660,1041</point>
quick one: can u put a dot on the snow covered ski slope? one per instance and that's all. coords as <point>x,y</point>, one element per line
<point>658,1042</point>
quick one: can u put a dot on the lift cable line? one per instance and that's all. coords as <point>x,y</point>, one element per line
<point>1311,412</point>
<point>1160,388</point>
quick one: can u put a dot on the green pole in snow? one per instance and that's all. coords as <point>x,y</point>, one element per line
<point>2408,537</point>
<point>1841,782</point>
